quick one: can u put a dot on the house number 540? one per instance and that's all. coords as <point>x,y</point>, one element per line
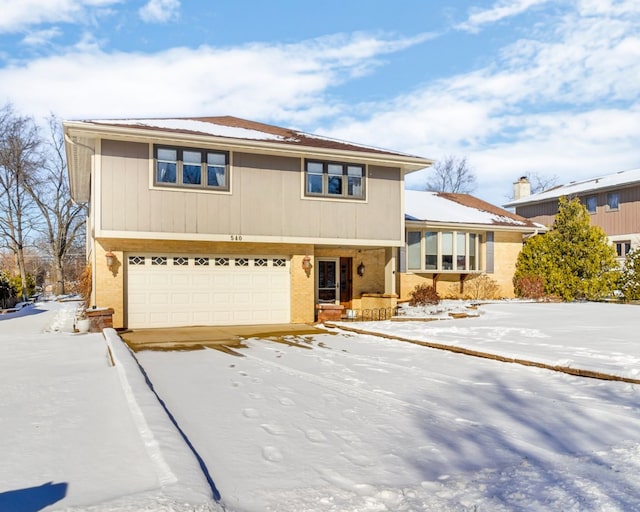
<point>236,238</point>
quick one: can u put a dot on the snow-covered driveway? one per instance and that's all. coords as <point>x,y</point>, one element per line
<point>362,423</point>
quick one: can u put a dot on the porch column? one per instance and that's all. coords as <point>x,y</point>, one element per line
<point>390,270</point>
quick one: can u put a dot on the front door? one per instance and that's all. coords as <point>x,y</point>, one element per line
<point>328,284</point>
<point>346,280</point>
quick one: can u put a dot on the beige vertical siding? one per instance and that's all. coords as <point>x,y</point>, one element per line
<point>265,201</point>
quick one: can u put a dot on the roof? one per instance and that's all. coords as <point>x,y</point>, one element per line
<point>579,188</point>
<point>229,131</point>
<point>448,208</point>
<point>236,128</point>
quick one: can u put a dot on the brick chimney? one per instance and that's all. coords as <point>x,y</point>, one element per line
<point>521,188</point>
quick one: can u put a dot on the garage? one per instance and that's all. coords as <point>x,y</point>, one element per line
<point>171,290</point>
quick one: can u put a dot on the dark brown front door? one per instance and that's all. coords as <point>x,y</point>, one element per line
<point>346,285</point>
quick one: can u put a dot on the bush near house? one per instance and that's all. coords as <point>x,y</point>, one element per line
<point>573,259</point>
<point>423,295</point>
<point>84,285</point>
<point>479,287</point>
<point>529,287</point>
<point>630,278</point>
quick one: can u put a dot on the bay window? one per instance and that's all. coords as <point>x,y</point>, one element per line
<point>438,251</point>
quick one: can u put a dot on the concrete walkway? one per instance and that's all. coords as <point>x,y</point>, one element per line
<point>224,337</point>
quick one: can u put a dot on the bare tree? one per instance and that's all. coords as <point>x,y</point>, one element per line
<point>452,174</point>
<point>62,220</point>
<point>541,182</point>
<point>19,160</point>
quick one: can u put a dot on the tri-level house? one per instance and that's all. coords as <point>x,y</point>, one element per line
<point>612,200</point>
<point>220,220</point>
<point>451,238</point>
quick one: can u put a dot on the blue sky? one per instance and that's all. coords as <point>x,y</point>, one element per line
<point>516,86</point>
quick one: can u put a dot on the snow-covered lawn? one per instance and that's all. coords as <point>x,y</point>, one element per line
<point>343,422</point>
<point>72,435</point>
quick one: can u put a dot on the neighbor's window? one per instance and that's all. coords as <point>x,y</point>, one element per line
<point>591,203</point>
<point>623,248</point>
<point>443,250</point>
<point>191,168</point>
<point>613,201</point>
<point>333,179</point>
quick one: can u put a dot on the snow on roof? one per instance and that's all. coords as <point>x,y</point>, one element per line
<point>195,126</point>
<point>459,209</point>
<point>618,179</point>
<point>237,128</point>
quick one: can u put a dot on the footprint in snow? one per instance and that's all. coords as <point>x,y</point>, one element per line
<point>255,396</point>
<point>251,413</point>
<point>286,401</point>
<point>272,454</point>
<point>274,430</point>
<point>315,436</point>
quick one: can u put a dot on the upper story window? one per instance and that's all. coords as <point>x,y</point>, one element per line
<point>613,201</point>
<point>591,202</point>
<point>191,168</point>
<point>436,251</point>
<point>332,179</point>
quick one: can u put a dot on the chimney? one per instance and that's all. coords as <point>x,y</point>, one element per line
<point>521,188</point>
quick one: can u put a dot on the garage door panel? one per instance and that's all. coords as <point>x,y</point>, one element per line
<point>187,291</point>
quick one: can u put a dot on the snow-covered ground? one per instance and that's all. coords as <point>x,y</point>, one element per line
<point>340,422</point>
<point>73,434</point>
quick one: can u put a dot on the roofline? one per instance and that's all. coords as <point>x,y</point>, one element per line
<point>529,200</point>
<point>471,226</point>
<point>407,163</point>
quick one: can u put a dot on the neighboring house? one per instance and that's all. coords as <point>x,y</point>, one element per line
<point>612,200</point>
<point>220,220</point>
<point>453,237</point>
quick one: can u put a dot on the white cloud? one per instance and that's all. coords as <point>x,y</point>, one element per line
<point>159,11</point>
<point>565,103</point>
<point>500,10</point>
<point>41,37</point>
<point>17,15</point>
<point>259,81</point>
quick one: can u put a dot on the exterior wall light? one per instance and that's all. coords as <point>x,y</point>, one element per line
<point>306,265</point>
<point>111,260</point>
<point>361,268</point>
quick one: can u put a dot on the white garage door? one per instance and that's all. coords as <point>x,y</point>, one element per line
<point>166,290</point>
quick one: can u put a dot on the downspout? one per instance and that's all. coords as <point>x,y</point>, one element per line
<point>90,231</point>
